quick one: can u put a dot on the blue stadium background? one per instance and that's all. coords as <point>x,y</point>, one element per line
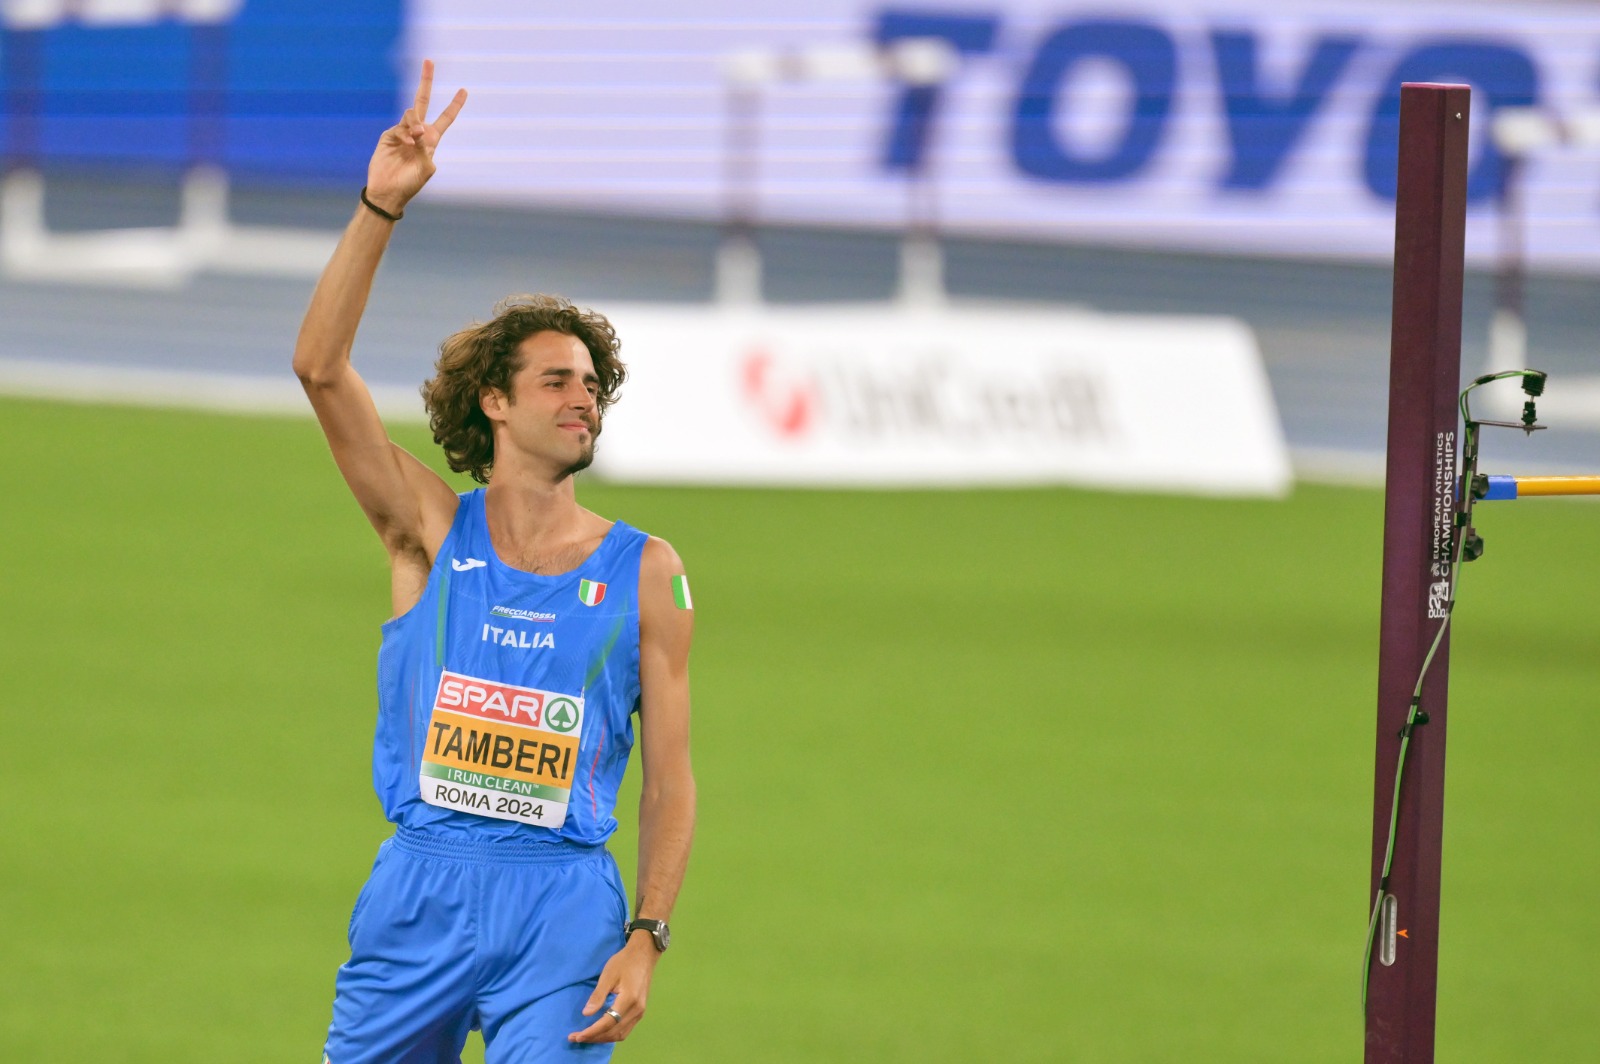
<point>287,89</point>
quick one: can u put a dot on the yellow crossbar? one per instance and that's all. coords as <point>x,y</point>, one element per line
<point>1558,486</point>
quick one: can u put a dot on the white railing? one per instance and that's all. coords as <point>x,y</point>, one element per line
<point>158,257</point>
<point>44,14</point>
<point>1522,135</point>
<point>748,74</point>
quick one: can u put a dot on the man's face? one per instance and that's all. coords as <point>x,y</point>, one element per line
<point>551,412</point>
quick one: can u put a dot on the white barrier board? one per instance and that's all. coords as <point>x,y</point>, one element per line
<point>889,396</point>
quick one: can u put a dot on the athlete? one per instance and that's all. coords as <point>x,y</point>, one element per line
<point>526,633</point>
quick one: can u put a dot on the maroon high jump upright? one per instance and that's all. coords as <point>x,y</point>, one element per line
<point>1418,547</point>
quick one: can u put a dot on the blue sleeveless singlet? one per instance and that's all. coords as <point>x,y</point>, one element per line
<point>505,697</point>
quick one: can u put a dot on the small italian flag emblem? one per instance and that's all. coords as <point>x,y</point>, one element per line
<point>591,593</point>
<point>680,592</point>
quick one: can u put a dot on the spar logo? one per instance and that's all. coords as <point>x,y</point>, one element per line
<point>492,701</point>
<point>472,696</point>
<point>935,397</point>
<point>563,715</point>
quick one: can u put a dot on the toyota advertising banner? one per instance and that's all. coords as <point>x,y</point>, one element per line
<point>1252,127</point>
<point>891,397</point>
<point>1248,126</point>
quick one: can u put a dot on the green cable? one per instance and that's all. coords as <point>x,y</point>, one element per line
<point>1464,522</point>
<point>1463,525</point>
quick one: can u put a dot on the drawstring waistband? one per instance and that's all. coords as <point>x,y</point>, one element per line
<point>494,851</point>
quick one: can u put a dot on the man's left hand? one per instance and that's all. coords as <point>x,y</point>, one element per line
<point>626,975</point>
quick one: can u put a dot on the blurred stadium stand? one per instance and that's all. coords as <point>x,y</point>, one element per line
<point>1323,327</point>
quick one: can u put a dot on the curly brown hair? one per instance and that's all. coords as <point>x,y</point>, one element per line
<point>484,355</point>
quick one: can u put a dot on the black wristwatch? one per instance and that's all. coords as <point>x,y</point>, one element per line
<point>658,932</point>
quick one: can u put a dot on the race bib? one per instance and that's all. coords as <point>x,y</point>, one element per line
<point>501,751</point>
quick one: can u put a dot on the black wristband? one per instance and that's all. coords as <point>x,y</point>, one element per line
<point>379,211</point>
<point>659,934</point>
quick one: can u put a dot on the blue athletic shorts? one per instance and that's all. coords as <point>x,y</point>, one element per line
<point>450,935</point>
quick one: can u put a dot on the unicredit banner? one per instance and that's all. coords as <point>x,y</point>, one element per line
<point>874,396</point>
<point>1244,126</point>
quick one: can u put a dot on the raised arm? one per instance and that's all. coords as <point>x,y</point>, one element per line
<point>409,505</point>
<point>667,794</point>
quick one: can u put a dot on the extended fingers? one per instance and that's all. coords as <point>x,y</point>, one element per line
<point>424,89</point>
<point>417,117</point>
<point>448,115</point>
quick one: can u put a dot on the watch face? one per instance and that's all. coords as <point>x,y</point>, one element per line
<point>663,938</point>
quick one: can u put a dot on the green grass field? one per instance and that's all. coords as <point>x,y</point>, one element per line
<point>1017,775</point>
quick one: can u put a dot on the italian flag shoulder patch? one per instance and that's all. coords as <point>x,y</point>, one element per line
<point>680,592</point>
<point>591,593</point>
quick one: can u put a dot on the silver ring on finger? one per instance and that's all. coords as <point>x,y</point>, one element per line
<point>614,1014</point>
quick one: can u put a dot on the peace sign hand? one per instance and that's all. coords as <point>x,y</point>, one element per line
<point>403,160</point>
